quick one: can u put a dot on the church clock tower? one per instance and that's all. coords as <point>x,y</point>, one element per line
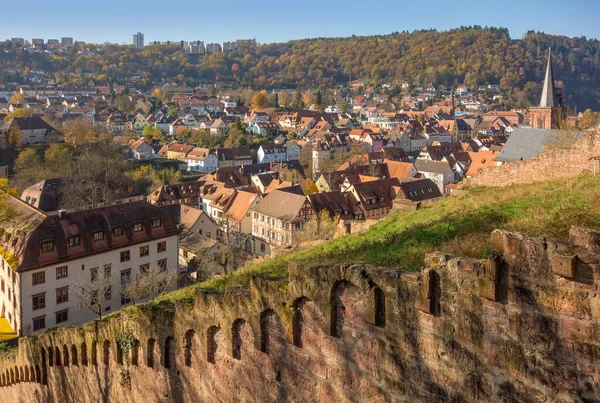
<point>552,112</point>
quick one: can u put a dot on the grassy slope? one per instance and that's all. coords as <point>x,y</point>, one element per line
<point>460,225</point>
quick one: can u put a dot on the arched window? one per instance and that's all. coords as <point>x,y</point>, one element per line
<point>38,375</point>
<point>135,352</point>
<point>211,344</point>
<point>84,359</point>
<point>57,357</point>
<point>187,348</point>
<point>65,355</point>
<point>106,352</point>
<point>236,338</point>
<point>94,353</point>
<point>74,358</point>
<point>150,353</point>
<point>168,352</point>
<point>379,302</point>
<point>265,318</point>
<point>119,354</point>
<point>298,321</point>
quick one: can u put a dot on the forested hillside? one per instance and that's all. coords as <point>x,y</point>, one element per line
<point>470,55</point>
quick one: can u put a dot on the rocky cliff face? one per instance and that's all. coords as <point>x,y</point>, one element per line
<point>521,326</point>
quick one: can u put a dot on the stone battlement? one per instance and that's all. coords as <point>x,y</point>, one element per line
<point>520,326</point>
<point>555,163</point>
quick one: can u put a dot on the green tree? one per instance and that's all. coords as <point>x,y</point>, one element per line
<point>319,101</point>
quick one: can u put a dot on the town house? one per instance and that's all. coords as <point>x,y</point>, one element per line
<point>277,218</point>
<point>43,267</point>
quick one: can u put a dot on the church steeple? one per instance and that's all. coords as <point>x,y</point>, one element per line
<point>548,100</point>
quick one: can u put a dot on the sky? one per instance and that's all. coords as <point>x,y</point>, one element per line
<point>270,21</point>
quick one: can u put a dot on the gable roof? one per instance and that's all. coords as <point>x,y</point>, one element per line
<point>399,169</point>
<point>438,167</point>
<point>526,143</point>
<point>282,205</point>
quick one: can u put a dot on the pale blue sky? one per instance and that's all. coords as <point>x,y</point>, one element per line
<point>270,21</point>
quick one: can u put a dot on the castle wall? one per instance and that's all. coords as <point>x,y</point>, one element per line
<point>521,326</point>
<point>555,163</point>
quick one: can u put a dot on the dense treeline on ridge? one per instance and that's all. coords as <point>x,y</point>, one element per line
<point>470,55</point>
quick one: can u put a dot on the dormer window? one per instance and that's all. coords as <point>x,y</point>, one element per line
<point>137,227</point>
<point>98,235</point>
<point>156,223</point>
<point>74,240</point>
<point>47,246</point>
<point>118,231</point>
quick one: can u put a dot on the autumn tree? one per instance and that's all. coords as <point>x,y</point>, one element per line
<point>18,113</point>
<point>153,132</point>
<point>236,138</point>
<point>320,226</point>
<point>260,100</point>
<point>14,137</point>
<point>82,131</point>
<point>17,99</point>
<point>297,98</point>
<point>310,187</point>
<point>589,120</point>
<point>158,93</point>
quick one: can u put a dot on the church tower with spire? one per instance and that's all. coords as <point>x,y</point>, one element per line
<point>551,112</point>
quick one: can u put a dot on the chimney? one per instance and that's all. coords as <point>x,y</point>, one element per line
<point>62,214</point>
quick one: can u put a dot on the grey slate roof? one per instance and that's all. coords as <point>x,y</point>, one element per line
<point>525,143</point>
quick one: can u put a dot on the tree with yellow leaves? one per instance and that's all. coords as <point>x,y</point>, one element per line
<point>260,100</point>
<point>17,99</point>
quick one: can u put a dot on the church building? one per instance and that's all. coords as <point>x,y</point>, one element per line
<point>552,111</point>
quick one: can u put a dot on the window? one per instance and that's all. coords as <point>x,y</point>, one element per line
<point>62,316</point>
<point>98,236</point>
<point>47,246</point>
<point>37,278</point>
<point>161,247</point>
<point>162,264</point>
<point>107,268</point>
<point>62,295</point>
<point>93,274</point>
<point>118,231</point>
<point>125,256</point>
<point>125,279</point>
<point>39,323</point>
<point>144,268</point>
<point>137,227</point>
<point>75,240</point>
<point>262,247</point>
<point>156,223</point>
<point>39,301</point>
<point>108,293</point>
<point>62,272</point>
<point>144,250</point>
